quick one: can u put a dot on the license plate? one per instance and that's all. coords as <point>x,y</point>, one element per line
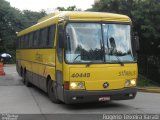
<point>107,98</point>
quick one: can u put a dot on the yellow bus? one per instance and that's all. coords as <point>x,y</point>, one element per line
<point>79,57</point>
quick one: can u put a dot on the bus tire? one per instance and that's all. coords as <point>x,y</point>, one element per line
<point>52,92</point>
<point>22,75</point>
<point>26,82</point>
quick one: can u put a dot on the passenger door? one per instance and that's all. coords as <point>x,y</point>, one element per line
<point>59,61</point>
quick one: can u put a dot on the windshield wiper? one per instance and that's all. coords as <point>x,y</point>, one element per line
<point>76,57</point>
<point>90,63</point>
<point>79,56</point>
<point>119,61</point>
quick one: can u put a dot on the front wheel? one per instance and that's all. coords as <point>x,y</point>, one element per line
<point>52,92</point>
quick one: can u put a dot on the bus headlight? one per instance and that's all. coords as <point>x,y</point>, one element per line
<point>129,83</point>
<point>77,85</point>
<point>133,82</point>
<point>73,85</point>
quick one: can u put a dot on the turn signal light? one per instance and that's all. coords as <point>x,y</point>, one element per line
<point>66,85</point>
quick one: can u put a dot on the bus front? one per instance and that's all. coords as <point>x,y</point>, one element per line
<point>99,64</point>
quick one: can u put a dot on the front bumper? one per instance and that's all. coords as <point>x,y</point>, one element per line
<point>83,96</point>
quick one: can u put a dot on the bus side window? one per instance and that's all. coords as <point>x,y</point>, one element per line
<point>60,35</point>
<point>35,39</point>
<point>22,42</point>
<point>59,43</point>
<point>20,46</point>
<point>26,41</point>
<point>19,43</point>
<point>40,38</point>
<point>30,39</point>
<point>51,36</point>
<point>43,38</point>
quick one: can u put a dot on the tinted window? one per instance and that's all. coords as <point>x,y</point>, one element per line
<point>20,45</point>
<point>22,42</point>
<point>26,42</point>
<point>60,38</point>
<point>43,37</point>
<point>30,40</point>
<point>51,36</point>
<point>19,42</point>
<point>35,39</point>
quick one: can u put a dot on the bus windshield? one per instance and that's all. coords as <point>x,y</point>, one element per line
<point>99,43</point>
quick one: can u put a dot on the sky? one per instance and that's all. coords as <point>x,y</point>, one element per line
<point>49,5</point>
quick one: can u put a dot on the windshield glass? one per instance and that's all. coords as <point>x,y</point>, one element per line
<point>84,42</point>
<point>95,42</point>
<point>117,43</point>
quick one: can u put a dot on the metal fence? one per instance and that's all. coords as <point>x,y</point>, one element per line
<point>149,66</point>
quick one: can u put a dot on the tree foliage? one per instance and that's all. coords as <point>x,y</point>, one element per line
<point>13,20</point>
<point>70,8</point>
<point>145,15</point>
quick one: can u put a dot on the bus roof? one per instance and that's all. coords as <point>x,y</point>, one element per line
<point>75,16</point>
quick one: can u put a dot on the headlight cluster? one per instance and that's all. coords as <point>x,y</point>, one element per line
<point>77,85</point>
<point>129,83</point>
<point>74,85</point>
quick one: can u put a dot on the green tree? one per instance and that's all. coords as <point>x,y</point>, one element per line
<point>6,28</point>
<point>70,8</point>
<point>30,18</point>
<point>145,17</point>
<point>13,20</point>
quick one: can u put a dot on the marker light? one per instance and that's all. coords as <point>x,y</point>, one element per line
<point>80,85</point>
<point>127,83</point>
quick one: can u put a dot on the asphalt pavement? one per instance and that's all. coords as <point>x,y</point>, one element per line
<point>16,98</point>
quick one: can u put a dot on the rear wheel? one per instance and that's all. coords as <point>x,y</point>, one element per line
<point>26,82</point>
<point>52,92</point>
<point>22,75</point>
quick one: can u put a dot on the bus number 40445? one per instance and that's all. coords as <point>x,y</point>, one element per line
<point>76,75</point>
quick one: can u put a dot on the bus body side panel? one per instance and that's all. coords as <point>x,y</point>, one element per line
<point>39,64</point>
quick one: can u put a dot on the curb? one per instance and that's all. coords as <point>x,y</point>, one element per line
<point>150,89</point>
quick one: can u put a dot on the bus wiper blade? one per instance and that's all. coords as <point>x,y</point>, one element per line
<point>79,56</point>
<point>90,63</point>
<point>119,61</point>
